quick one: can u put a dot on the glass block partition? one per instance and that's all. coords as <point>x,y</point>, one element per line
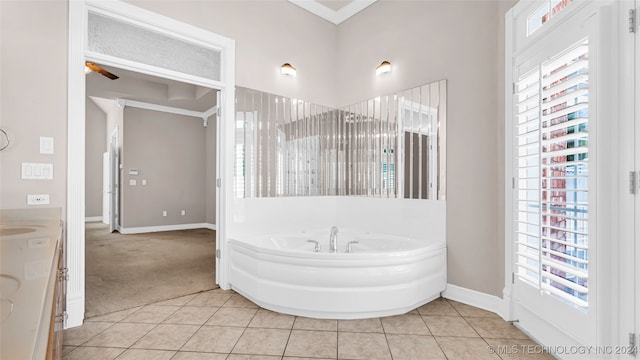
<point>389,146</point>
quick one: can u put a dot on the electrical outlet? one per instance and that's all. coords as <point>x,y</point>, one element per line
<point>183,212</point>
<point>164,212</point>
<point>39,199</point>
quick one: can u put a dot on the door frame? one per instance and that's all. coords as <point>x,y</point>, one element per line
<point>114,182</point>
<point>609,261</point>
<point>78,54</point>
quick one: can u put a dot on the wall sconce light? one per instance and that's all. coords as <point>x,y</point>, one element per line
<point>384,67</point>
<point>287,69</point>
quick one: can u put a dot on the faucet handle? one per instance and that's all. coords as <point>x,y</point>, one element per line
<point>349,245</point>
<point>317,247</point>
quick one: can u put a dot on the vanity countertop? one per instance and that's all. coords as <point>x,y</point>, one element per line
<point>28,264</point>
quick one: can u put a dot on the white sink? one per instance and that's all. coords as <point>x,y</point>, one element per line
<point>11,230</point>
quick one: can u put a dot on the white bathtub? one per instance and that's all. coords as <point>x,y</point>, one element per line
<point>383,275</point>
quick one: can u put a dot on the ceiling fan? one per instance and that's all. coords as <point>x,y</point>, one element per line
<point>93,67</point>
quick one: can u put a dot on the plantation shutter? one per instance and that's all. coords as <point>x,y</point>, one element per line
<point>552,116</point>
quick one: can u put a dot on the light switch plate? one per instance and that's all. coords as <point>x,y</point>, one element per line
<point>46,145</point>
<point>37,171</point>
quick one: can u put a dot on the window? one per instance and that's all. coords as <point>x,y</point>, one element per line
<point>552,164</point>
<point>544,13</point>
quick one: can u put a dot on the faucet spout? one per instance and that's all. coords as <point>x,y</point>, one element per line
<point>333,240</point>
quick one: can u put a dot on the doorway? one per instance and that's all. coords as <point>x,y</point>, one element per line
<point>571,271</point>
<point>161,158</point>
<point>125,16</point>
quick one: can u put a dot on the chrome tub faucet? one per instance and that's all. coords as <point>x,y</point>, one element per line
<point>333,240</point>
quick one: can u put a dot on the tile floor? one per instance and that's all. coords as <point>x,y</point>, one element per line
<point>218,324</point>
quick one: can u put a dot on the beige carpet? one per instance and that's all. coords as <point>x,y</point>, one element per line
<point>125,271</point>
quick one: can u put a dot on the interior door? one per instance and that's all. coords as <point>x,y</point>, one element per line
<point>559,191</point>
<point>106,188</point>
<point>114,192</point>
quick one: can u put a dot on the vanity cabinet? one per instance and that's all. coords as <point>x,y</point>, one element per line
<point>33,276</point>
<point>58,312</point>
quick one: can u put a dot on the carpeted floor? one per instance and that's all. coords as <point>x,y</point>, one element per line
<point>125,271</point>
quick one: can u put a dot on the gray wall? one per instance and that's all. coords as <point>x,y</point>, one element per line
<point>268,34</point>
<point>33,97</point>
<point>95,146</point>
<point>459,41</point>
<point>169,153</point>
<point>425,41</point>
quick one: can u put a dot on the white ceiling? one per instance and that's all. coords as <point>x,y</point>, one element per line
<point>335,11</point>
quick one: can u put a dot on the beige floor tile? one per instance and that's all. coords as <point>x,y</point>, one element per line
<point>67,349</point>
<point>404,324</point>
<point>412,312</point>
<point>93,353</point>
<point>252,357</point>
<point>518,349</point>
<point>449,326</point>
<point>215,298</point>
<point>313,344</point>
<point>232,317</point>
<point>438,306</point>
<point>468,310</point>
<point>302,358</point>
<point>304,323</point>
<point>273,320</point>
<point>240,301</point>
<point>370,346</point>
<point>151,314</point>
<point>414,347</point>
<point>179,301</point>
<point>81,334</point>
<point>262,342</point>
<point>183,355</point>
<point>465,348</point>
<point>191,315</point>
<point>361,325</point>
<point>114,316</point>
<point>139,354</point>
<point>213,339</point>
<point>120,335</point>
<point>166,337</point>
<point>495,328</point>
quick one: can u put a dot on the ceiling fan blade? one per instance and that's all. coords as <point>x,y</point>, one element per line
<point>100,70</point>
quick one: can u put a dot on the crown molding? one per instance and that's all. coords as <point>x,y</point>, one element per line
<point>334,16</point>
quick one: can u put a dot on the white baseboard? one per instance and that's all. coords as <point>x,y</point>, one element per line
<point>148,229</point>
<point>93,219</point>
<point>478,299</point>
<point>211,226</point>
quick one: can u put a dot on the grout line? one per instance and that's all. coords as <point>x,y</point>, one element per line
<point>199,327</point>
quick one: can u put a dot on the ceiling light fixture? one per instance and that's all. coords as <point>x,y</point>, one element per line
<point>383,68</point>
<point>288,69</point>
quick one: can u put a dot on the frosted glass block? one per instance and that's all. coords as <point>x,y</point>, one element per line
<point>119,39</point>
